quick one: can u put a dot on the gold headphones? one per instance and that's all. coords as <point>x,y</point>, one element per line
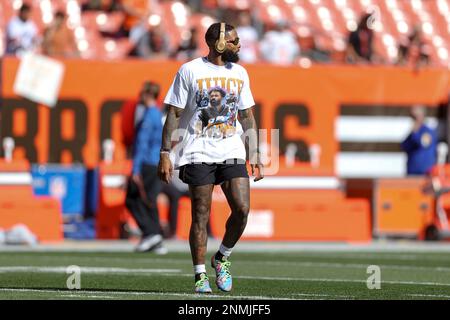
<point>221,43</point>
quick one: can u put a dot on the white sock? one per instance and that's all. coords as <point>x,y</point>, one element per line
<point>225,251</point>
<point>199,268</point>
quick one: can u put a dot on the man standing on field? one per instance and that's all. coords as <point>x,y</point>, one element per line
<point>205,158</point>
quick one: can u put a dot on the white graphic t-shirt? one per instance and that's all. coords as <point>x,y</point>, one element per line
<point>211,96</point>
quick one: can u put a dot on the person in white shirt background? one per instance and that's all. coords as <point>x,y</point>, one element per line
<point>249,38</point>
<point>21,33</point>
<point>280,46</point>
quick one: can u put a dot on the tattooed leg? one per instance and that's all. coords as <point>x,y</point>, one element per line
<point>237,192</point>
<point>201,206</point>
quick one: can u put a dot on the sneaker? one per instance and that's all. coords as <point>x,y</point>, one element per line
<point>202,285</point>
<point>149,243</point>
<point>223,275</point>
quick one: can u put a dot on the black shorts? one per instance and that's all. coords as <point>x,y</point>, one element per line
<point>199,174</point>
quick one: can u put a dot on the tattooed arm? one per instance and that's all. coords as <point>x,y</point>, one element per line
<point>250,135</point>
<point>165,167</point>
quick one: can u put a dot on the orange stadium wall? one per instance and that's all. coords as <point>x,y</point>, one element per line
<point>302,103</point>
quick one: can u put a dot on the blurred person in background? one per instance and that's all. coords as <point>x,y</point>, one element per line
<point>136,15</point>
<point>311,50</point>
<point>188,48</point>
<point>101,5</point>
<point>249,38</point>
<point>212,8</point>
<point>153,43</point>
<point>280,46</point>
<point>420,145</point>
<point>194,5</point>
<point>59,40</point>
<point>413,51</point>
<point>360,42</point>
<point>143,185</point>
<point>21,33</point>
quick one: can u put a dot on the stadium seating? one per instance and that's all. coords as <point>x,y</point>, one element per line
<point>329,21</point>
<point>103,22</point>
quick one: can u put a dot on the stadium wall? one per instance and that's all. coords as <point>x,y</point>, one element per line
<point>357,115</point>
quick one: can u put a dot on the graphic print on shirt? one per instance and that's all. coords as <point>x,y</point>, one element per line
<point>216,108</point>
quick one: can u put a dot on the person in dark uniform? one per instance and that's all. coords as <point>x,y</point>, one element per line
<point>144,185</point>
<point>420,145</point>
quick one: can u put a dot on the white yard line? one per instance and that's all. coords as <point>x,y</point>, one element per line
<point>74,257</point>
<point>342,265</point>
<point>429,295</point>
<point>346,280</point>
<point>85,296</point>
<point>377,255</point>
<point>175,272</point>
<point>108,294</point>
<point>143,293</point>
<point>311,264</point>
<point>323,295</point>
<point>328,280</point>
<point>61,269</point>
<point>393,247</point>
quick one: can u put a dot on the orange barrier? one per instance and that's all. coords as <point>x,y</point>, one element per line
<point>295,215</point>
<point>42,215</point>
<point>320,215</point>
<point>112,214</point>
<point>402,208</point>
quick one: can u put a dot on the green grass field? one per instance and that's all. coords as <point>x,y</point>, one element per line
<point>256,275</point>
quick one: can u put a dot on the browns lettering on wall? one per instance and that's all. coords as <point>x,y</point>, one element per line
<point>304,104</point>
